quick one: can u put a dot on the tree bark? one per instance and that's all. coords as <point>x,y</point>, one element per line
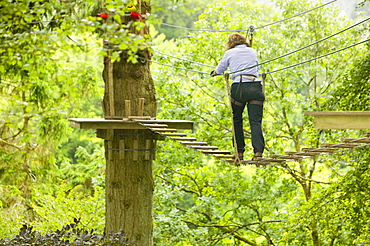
<point>129,153</point>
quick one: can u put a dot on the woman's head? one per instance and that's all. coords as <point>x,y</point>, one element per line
<point>236,39</point>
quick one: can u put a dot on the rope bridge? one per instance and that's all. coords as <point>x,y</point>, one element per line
<point>214,151</point>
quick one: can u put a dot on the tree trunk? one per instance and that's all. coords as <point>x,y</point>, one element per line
<point>129,153</point>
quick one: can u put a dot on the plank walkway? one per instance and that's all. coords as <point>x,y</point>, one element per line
<point>203,147</point>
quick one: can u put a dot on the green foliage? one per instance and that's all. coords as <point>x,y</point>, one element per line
<point>51,174</point>
<point>351,93</point>
<point>64,204</point>
<point>206,203</point>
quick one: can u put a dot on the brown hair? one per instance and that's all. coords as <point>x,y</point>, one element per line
<point>236,39</point>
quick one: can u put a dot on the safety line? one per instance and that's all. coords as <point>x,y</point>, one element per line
<point>266,72</point>
<point>179,58</point>
<point>206,30</point>
<point>243,30</point>
<point>296,15</point>
<point>164,64</point>
<point>316,42</point>
<point>316,58</point>
<point>289,53</point>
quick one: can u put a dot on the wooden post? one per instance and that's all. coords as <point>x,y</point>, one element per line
<point>127,108</point>
<point>110,87</point>
<point>141,107</point>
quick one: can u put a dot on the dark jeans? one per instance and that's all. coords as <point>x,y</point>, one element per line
<point>248,93</point>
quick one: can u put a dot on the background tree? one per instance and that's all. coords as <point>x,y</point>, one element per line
<point>198,201</point>
<point>289,93</point>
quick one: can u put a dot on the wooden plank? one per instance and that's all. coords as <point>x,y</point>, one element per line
<point>163,130</point>
<point>174,134</point>
<point>110,87</point>
<point>89,123</point>
<point>193,143</point>
<point>155,125</point>
<point>136,118</point>
<point>340,145</point>
<point>321,150</point>
<point>178,124</point>
<point>127,108</point>
<point>147,153</point>
<point>341,119</point>
<point>203,147</point>
<point>215,152</point>
<point>223,156</point>
<point>307,153</point>
<point>183,138</point>
<point>356,140</point>
<point>141,107</point>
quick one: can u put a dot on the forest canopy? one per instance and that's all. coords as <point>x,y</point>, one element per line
<point>52,57</point>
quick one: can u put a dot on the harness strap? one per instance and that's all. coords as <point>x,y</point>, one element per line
<point>255,102</point>
<point>232,100</point>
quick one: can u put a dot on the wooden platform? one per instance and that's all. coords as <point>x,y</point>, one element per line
<point>125,123</point>
<point>341,119</point>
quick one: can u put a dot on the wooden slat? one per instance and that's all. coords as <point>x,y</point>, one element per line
<point>155,125</point>
<point>224,156</point>
<point>203,147</point>
<point>193,143</point>
<point>127,108</point>
<point>110,87</point>
<point>141,107</point>
<point>291,156</point>
<point>178,134</point>
<point>136,118</point>
<point>274,160</point>
<point>356,140</point>
<point>340,145</point>
<point>215,152</point>
<point>307,153</point>
<point>183,138</point>
<point>163,130</point>
<point>178,124</point>
<point>321,150</point>
<point>147,146</point>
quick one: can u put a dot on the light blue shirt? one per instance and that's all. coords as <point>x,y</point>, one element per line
<point>239,58</point>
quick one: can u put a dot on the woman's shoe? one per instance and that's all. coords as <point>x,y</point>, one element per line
<point>257,156</point>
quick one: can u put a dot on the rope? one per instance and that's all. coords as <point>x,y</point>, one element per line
<point>276,58</point>
<point>292,52</point>
<point>237,159</point>
<point>244,30</point>
<point>163,64</point>
<point>183,59</point>
<point>305,12</point>
<point>261,63</point>
<point>319,57</point>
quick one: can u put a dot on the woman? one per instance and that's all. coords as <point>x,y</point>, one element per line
<point>245,89</point>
